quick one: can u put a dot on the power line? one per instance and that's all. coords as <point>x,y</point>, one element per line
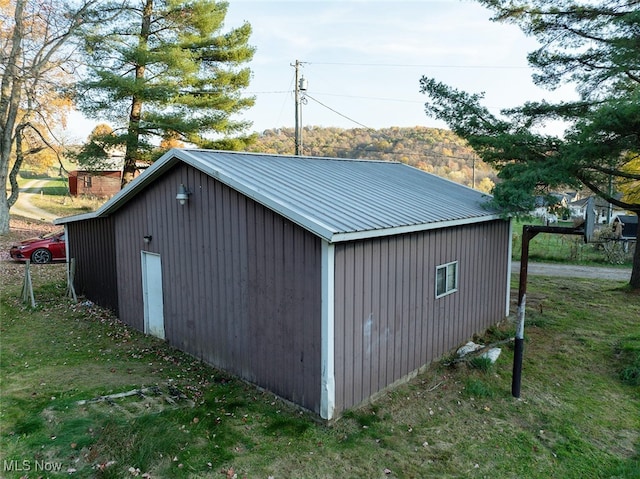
<point>338,113</point>
<point>360,97</point>
<point>422,65</point>
<point>419,154</point>
<point>269,92</point>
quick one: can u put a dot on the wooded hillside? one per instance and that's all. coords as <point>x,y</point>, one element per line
<point>433,150</point>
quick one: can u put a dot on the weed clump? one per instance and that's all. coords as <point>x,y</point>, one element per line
<point>628,351</point>
<point>481,363</point>
<point>477,388</point>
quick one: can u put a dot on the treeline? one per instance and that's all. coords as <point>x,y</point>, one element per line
<point>434,150</point>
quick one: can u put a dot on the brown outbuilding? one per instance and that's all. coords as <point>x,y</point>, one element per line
<point>324,280</point>
<point>101,184</point>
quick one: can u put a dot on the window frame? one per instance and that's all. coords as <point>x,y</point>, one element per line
<point>447,267</point>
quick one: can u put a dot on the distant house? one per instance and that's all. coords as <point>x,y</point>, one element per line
<point>102,181</point>
<point>602,209</point>
<point>102,184</point>
<point>549,209</point>
<point>323,280</point>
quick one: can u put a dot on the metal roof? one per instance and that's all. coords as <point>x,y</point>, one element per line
<point>337,199</point>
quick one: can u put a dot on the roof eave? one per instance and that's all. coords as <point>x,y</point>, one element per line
<point>316,227</point>
<point>398,230</point>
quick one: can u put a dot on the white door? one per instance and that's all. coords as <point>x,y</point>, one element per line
<point>152,294</point>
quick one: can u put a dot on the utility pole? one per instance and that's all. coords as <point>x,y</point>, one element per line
<point>473,179</point>
<point>610,206</point>
<point>301,87</point>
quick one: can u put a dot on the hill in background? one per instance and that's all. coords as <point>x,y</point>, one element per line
<point>433,150</point>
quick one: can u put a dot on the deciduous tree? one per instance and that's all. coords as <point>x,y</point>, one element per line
<point>593,45</point>
<point>35,48</point>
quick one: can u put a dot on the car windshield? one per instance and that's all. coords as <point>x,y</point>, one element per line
<point>51,235</point>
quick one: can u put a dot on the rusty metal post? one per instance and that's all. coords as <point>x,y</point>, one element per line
<point>528,233</point>
<point>518,353</point>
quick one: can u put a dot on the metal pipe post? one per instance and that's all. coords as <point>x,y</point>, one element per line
<point>518,352</point>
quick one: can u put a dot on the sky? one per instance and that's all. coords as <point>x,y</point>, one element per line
<point>363,60</point>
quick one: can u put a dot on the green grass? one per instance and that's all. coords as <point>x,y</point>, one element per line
<point>629,351</point>
<point>53,197</point>
<point>578,415</point>
<point>554,248</point>
<point>51,187</point>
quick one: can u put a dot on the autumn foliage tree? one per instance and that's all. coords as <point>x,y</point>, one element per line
<point>593,45</point>
<point>433,150</point>
<point>35,61</point>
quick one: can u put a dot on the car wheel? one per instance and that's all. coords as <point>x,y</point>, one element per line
<point>41,256</point>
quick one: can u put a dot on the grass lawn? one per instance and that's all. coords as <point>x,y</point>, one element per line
<point>52,196</point>
<point>555,248</point>
<point>578,416</point>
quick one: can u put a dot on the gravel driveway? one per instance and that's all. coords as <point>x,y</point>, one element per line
<point>574,271</point>
<point>23,206</point>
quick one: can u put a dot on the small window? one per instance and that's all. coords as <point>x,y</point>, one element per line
<point>87,182</point>
<point>446,279</point>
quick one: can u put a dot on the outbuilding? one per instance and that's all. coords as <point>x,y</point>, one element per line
<point>323,280</point>
<point>99,183</point>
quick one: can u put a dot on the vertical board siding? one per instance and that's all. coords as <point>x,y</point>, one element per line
<point>91,244</point>
<point>388,322</point>
<point>241,284</point>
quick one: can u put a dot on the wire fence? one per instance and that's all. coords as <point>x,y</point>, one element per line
<point>604,250</point>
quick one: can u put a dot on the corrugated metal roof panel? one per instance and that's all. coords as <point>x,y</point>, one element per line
<point>337,199</point>
<point>347,196</point>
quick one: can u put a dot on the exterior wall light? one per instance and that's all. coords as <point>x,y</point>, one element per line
<point>147,239</point>
<point>183,194</point>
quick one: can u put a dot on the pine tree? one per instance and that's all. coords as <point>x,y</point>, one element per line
<point>593,45</point>
<point>164,69</point>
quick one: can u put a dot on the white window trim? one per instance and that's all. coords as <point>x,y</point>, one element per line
<point>446,267</point>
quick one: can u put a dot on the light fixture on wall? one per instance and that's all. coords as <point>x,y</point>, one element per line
<point>183,194</point>
<point>147,238</point>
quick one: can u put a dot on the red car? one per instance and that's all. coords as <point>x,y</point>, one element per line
<point>40,250</point>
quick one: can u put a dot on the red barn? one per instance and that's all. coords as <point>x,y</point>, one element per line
<point>103,184</point>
